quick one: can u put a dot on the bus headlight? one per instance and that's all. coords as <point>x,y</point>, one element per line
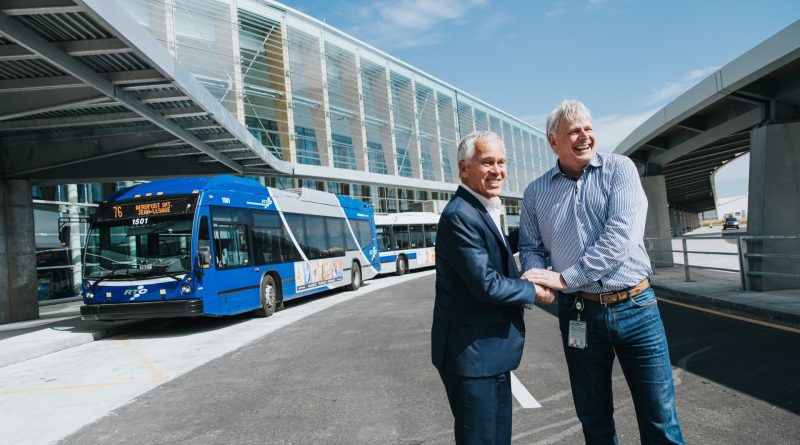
<point>186,288</point>
<point>89,295</point>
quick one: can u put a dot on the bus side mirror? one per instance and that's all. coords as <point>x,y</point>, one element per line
<point>204,256</point>
<point>63,235</point>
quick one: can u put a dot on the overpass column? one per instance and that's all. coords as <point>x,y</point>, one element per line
<point>18,300</point>
<point>657,220</point>
<point>773,205</point>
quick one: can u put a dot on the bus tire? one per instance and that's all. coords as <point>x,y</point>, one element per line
<point>355,277</point>
<point>269,297</point>
<point>401,267</point>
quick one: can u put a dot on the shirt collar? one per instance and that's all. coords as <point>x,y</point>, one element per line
<point>597,161</point>
<point>489,203</point>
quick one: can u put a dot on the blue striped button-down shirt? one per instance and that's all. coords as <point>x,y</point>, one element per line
<point>591,228</point>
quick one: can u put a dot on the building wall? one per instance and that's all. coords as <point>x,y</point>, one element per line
<point>318,97</point>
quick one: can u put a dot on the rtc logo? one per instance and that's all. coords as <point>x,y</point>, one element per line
<point>136,293</point>
<point>372,252</point>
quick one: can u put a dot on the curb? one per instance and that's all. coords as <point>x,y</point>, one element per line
<point>729,306</point>
<point>42,342</point>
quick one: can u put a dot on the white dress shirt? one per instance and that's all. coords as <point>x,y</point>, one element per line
<point>493,205</point>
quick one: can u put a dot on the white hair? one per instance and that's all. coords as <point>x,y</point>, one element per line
<point>569,110</point>
<point>466,149</point>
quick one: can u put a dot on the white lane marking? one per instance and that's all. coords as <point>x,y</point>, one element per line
<point>556,396</point>
<point>521,394</point>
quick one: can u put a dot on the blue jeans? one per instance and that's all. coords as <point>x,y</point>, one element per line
<point>631,330</point>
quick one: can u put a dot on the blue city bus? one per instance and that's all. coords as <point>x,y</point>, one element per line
<point>221,246</point>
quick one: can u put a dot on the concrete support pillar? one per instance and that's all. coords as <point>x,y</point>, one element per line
<point>658,220</point>
<point>774,207</point>
<point>74,238</point>
<point>18,300</point>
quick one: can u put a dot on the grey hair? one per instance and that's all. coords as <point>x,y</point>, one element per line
<point>466,149</point>
<point>569,110</point>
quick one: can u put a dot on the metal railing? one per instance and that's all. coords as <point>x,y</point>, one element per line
<point>743,253</point>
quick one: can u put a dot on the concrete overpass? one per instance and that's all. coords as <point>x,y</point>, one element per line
<point>750,105</point>
<point>87,94</point>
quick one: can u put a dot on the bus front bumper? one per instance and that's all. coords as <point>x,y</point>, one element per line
<point>127,311</point>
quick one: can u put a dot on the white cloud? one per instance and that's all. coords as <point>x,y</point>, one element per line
<point>673,89</point>
<point>559,8</point>
<point>537,120</point>
<point>410,23</point>
<point>595,4</point>
<point>611,130</point>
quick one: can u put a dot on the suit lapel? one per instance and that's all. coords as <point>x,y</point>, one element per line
<point>487,219</point>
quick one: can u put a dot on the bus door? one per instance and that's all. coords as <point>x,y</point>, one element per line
<point>236,278</point>
<point>207,279</point>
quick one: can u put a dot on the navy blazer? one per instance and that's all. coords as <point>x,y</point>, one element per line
<point>478,328</point>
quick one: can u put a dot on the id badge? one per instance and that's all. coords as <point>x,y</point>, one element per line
<point>577,334</point>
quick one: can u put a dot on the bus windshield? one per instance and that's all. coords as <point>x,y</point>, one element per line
<point>139,248</point>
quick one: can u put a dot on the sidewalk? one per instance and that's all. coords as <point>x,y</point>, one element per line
<point>60,327</point>
<point>722,291</point>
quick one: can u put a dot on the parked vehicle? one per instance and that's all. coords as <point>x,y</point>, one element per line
<point>730,223</point>
<point>406,241</point>
<point>221,246</point>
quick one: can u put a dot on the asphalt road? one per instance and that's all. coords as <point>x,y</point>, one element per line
<point>359,372</point>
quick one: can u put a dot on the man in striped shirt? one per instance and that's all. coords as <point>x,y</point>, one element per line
<point>587,214</point>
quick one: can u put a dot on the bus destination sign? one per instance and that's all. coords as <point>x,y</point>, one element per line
<point>134,209</point>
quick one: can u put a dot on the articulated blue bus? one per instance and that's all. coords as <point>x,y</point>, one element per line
<point>221,246</point>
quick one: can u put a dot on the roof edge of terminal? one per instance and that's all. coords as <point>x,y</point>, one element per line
<point>388,56</point>
<point>753,64</point>
<point>136,36</point>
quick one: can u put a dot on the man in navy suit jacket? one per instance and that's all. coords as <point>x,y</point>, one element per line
<point>478,331</point>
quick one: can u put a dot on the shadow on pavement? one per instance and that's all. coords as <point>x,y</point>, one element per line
<point>756,360</point>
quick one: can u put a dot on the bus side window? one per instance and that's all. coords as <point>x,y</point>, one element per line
<point>316,238</point>
<point>271,242</point>
<point>417,238</point>
<point>203,234</point>
<point>365,234</point>
<point>384,238</point>
<point>337,244</point>
<point>430,235</point>
<point>401,237</point>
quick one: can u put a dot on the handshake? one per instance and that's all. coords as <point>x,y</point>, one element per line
<point>546,282</point>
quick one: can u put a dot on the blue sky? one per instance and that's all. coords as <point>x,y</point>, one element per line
<point>624,58</point>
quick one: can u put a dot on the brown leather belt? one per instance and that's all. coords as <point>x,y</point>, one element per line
<point>616,296</point>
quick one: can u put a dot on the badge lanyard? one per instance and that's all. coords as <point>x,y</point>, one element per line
<point>577,328</point>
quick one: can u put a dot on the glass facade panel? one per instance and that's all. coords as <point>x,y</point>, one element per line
<point>466,122</point>
<point>375,93</point>
<point>203,42</point>
<point>264,95</point>
<point>481,120</point>
<point>340,66</point>
<point>448,137</point>
<point>403,112</point>
<point>428,144</point>
<point>305,66</point>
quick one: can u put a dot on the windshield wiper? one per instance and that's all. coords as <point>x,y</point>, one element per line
<point>112,274</point>
<point>173,275</point>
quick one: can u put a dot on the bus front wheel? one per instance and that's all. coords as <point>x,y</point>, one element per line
<point>355,277</point>
<point>269,297</point>
<point>401,266</point>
